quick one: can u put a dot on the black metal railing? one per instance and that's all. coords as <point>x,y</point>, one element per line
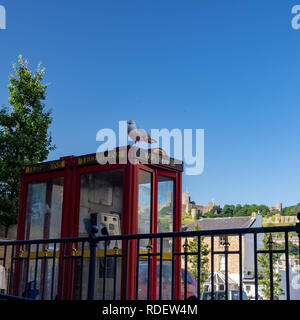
<point>177,265</point>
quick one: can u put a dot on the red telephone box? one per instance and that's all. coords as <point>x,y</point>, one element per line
<point>57,199</point>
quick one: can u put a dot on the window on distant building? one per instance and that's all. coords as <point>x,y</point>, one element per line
<point>222,263</point>
<point>221,287</point>
<point>248,288</point>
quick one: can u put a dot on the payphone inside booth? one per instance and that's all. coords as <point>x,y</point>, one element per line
<point>108,224</point>
<point>64,198</point>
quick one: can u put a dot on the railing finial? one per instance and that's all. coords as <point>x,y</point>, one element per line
<point>74,250</point>
<point>149,246</point>
<point>116,248</point>
<point>186,245</point>
<point>226,244</point>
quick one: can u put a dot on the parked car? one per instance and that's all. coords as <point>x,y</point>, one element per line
<point>220,295</point>
<point>166,283</point>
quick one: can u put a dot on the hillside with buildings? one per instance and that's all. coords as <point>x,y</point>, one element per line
<point>272,215</point>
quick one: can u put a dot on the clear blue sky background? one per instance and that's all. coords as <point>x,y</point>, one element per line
<point>231,67</point>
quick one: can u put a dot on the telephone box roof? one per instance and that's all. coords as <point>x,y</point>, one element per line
<point>156,157</point>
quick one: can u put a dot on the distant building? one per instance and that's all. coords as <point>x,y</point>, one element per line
<point>254,221</point>
<point>188,205</point>
<point>278,207</point>
<point>294,264</point>
<point>186,202</point>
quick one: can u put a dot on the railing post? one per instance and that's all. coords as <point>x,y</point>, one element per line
<point>93,258</point>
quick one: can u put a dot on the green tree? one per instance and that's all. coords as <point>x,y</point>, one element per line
<point>265,271</point>
<point>291,211</point>
<point>214,212</point>
<point>193,259</point>
<point>264,210</point>
<point>24,137</point>
<point>246,210</point>
<point>236,210</point>
<point>227,210</point>
<point>293,248</point>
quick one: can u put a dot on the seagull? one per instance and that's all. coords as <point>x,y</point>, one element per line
<point>137,134</point>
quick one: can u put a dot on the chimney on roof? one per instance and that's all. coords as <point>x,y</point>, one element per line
<point>253,214</point>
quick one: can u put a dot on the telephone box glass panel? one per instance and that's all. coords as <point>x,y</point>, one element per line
<point>43,220</point>
<point>144,205</point>
<point>44,209</point>
<point>165,220</point>
<point>144,226</point>
<point>101,204</point>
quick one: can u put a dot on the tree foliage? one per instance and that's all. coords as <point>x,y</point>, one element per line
<point>193,259</point>
<point>239,211</point>
<point>293,248</point>
<point>214,212</point>
<point>291,211</point>
<point>264,272</point>
<point>24,137</point>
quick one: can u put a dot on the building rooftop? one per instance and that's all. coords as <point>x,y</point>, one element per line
<point>219,278</point>
<point>220,223</point>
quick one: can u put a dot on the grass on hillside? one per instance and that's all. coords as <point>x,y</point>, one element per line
<point>278,224</point>
<point>186,219</point>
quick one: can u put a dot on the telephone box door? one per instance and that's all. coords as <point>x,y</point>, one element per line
<point>43,220</point>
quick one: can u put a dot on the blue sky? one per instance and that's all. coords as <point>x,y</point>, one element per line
<point>229,67</point>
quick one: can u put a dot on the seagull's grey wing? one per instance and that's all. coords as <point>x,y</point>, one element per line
<point>138,134</point>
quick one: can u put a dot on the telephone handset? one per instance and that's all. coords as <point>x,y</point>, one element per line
<point>108,224</point>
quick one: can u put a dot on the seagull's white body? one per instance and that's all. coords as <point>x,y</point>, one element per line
<point>138,134</point>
